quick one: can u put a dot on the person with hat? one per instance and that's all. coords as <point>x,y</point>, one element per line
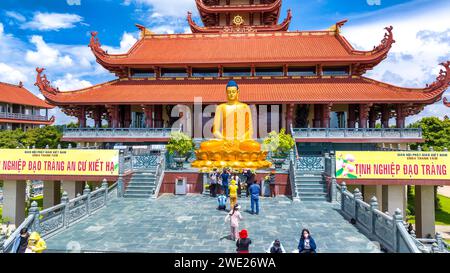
<point>234,216</point>
<point>243,243</point>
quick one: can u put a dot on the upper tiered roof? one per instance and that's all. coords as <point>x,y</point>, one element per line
<point>262,12</point>
<point>276,48</point>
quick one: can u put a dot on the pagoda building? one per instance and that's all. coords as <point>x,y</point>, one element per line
<point>20,109</point>
<point>310,82</point>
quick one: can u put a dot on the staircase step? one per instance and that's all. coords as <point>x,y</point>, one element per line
<point>312,194</point>
<point>305,190</point>
<point>313,198</point>
<point>137,195</point>
<point>133,187</point>
<point>140,191</point>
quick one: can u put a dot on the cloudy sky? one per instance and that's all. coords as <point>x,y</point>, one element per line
<point>54,34</point>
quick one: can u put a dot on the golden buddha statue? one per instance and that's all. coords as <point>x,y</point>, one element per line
<point>234,146</point>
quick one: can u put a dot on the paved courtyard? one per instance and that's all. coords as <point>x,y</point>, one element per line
<point>192,224</point>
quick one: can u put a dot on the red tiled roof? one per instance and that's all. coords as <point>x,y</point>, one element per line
<point>241,48</point>
<point>268,91</point>
<point>16,94</point>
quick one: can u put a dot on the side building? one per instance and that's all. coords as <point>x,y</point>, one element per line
<point>20,109</point>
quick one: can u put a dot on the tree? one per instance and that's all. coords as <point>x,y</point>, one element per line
<point>436,133</point>
<point>38,137</point>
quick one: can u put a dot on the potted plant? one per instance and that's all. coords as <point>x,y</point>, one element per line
<point>279,144</point>
<point>179,146</point>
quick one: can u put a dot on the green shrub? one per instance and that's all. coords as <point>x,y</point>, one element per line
<point>280,144</point>
<point>180,144</point>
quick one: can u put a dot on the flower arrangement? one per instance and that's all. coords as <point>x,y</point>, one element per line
<point>345,167</point>
<point>279,143</point>
<point>180,144</point>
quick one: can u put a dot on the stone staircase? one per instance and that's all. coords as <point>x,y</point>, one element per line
<point>142,184</point>
<point>310,187</point>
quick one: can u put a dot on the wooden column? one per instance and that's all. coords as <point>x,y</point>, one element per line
<point>385,116</point>
<point>372,118</point>
<point>326,111</point>
<point>148,111</point>
<point>82,117</point>
<point>317,115</point>
<point>363,115</point>
<point>351,122</point>
<point>127,116</point>
<point>289,116</point>
<point>401,116</point>
<point>98,116</point>
<point>113,112</point>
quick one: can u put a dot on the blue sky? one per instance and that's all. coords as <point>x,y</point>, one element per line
<point>55,33</point>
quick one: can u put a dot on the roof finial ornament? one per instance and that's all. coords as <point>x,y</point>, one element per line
<point>43,83</point>
<point>387,41</point>
<point>20,84</point>
<point>337,27</point>
<point>443,79</point>
<point>446,102</point>
<point>94,43</point>
<point>144,31</point>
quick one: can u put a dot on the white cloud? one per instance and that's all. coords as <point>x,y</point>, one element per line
<point>15,15</point>
<point>46,55</point>
<point>422,42</point>
<point>173,8</point>
<point>127,41</point>
<point>11,75</point>
<point>69,82</point>
<point>74,2</point>
<point>52,21</point>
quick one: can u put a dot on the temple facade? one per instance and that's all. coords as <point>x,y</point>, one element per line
<point>20,109</point>
<point>310,82</point>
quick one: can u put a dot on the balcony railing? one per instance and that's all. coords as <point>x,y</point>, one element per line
<point>22,116</point>
<point>355,133</point>
<point>143,133</point>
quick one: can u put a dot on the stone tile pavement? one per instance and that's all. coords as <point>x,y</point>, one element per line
<point>186,224</point>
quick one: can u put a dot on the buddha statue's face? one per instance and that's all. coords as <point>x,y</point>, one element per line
<point>232,93</point>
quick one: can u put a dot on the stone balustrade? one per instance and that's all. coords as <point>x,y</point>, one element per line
<point>50,221</point>
<point>357,133</point>
<point>390,231</point>
<point>135,133</point>
<point>20,116</point>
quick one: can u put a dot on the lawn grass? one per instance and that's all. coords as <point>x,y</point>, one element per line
<point>442,216</point>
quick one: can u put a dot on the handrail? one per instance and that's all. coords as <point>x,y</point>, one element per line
<point>54,219</point>
<point>306,133</point>
<point>6,247</point>
<point>23,116</point>
<point>160,171</point>
<point>389,230</point>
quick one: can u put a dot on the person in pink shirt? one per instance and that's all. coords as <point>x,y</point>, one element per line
<point>234,216</point>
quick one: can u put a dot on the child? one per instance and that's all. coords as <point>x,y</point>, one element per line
<point>234,216</point>
<point>243,243</point>
<point>276,247</point>
<point>222,200</point>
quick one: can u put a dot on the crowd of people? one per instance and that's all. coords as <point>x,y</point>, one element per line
<point>229,185</point>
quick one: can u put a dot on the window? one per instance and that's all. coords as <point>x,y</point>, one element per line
<point>269,71</point>
<point>237,72</point>
<point>302,71</point>
<point>174,72</point>
<point>336,71</point>
<point>143,73</point>
<point>205,72</point>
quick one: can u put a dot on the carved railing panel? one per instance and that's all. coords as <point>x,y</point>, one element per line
<point>311,163</point>
<point>362,133</point>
